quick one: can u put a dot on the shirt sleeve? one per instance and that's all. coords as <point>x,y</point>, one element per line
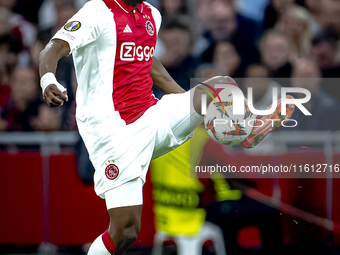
<point>83,28</point>
<point>156,16</point>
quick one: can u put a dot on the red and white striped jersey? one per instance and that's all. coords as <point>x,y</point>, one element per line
<point>112,45</point>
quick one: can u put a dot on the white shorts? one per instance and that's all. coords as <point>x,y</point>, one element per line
<point>125,155</point>
<point>128,194</point>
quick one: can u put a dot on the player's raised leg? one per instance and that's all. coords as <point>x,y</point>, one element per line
<point>181,113</point>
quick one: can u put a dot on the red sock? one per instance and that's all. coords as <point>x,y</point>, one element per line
<point>110,246</point>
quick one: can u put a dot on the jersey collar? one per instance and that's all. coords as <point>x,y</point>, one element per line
<point>125,7</point>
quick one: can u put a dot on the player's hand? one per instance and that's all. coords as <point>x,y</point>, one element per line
<point>54,97</point>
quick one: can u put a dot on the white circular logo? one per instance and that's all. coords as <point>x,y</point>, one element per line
<point>150,28</point>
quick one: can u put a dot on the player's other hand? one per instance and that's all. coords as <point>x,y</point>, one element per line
<point>54,97</point>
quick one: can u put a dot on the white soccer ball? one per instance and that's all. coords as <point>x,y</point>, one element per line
<point>225,127</point>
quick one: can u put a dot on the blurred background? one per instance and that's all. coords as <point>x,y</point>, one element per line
<point>47,201</point>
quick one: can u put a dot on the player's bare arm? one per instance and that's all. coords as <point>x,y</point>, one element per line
<point>162,79</point>
<point>49,58</point>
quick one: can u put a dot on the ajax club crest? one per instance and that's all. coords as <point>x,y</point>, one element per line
<point>111,172</point>
<point>149,27</point>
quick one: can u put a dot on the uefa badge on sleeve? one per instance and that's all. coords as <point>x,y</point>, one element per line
<point>72,26</point>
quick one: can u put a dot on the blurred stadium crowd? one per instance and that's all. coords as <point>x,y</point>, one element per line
<point>199,38</point>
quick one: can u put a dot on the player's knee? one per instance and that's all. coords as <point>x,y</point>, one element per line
<point>124,236</point>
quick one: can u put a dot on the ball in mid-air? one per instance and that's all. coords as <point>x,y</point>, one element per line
<point>222,125</point>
